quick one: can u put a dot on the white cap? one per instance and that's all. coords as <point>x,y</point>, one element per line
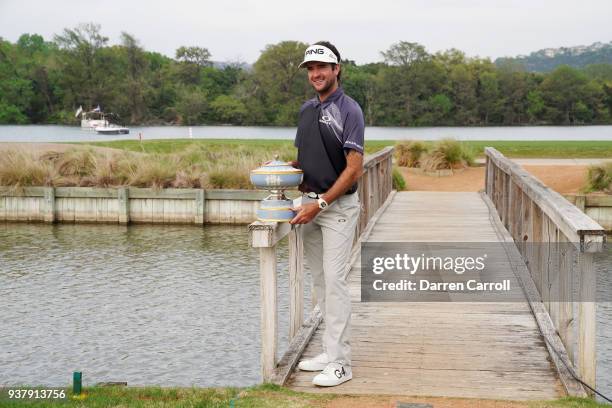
<point>319,53</point>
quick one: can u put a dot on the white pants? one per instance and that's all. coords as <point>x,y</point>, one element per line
<point>328,240</point>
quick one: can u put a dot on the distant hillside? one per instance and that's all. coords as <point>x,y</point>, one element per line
<point>549,58</point>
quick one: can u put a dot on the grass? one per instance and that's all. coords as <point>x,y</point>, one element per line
<point>408,154</point>
<point>545,149</point>
<point>398,181</point>
<point>441,154</point>
<point>194,166</point>
<point>261,396</point>
<point>599,178</point>
<point>20,169</point>
<point>226,163</point>
<point>516,149</point>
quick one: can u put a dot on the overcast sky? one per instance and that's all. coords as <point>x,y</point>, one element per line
<point>239,29</point>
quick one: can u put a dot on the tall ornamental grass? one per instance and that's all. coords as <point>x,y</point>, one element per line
<point>193,167</point>
<point>409,154</point>
<point>599,178</point>
<point>442,154</point>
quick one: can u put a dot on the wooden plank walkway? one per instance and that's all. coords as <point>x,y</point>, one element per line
<point>458,349</point>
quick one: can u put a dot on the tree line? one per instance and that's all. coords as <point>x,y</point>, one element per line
<point>46,81</point>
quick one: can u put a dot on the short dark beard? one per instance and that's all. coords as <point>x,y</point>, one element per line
<point>327,88</point>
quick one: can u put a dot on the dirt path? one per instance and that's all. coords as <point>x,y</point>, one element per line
<point>563,179</point>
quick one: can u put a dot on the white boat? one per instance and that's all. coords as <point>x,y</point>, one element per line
<point>112,130</point>
<point>92,119</point>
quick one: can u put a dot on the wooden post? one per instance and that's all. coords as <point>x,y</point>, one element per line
<point>269,320</point>
<point>486,183</point>
<point>200,206</point>
<point>296,282</point>
<point>566,314</point>
<point>581,202</point>
<point>535,265</point>
<point>265,236</point>
<point>123,205</point>
<point>586,315</point>
<point>49,205</point>
<point>546,255</point>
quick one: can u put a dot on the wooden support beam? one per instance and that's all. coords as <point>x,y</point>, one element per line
<point>296,282</point>
<point>580,202</point>
<point>566,314</point>
<point>49,205</point>
<point>123,205</point>
<point>269,318</point>
<point>200,207</point>
<point>587,338</point>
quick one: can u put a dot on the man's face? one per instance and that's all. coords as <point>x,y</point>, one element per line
<point>322,76</point>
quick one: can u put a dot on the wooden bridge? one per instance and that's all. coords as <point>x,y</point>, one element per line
<point>529,349</point>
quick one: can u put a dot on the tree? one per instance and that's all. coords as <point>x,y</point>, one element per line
<point>562,90</point>
<point>194,55</point>
<point>278,81</point>
<point>405,53</point>
<point>229,109</point>
<point>464,95</point>
<point>136,81</point>
<point>191,106</point>
<point>489,98</point>
<point>514,86</point>
<point>535,105</point>
<point>16,90</point>
<point>359,85</point>
<point>83,79</point>
<point>439,107</point>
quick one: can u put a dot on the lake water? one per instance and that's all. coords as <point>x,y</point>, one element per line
<point>166,305</point>
<point>53,133</point>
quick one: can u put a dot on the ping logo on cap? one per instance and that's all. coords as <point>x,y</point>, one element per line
<point>319,53</point>
<point>315,51</point>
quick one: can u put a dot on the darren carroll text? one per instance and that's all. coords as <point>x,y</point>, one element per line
<point>425,285</point>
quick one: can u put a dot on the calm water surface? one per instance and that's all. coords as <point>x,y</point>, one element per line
<point>53,133</point>
<point>161,305</point>
<point>168,305</point>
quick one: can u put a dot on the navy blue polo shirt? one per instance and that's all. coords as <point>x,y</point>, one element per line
<point>326,132</point>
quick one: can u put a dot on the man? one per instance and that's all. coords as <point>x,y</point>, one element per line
<point>330,152</point>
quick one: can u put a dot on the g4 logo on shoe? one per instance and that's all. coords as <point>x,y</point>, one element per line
<point>333,374</point>
<point>340,373</point>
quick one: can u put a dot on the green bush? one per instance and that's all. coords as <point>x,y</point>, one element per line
<point>599,178</point>
<point>399,183</point>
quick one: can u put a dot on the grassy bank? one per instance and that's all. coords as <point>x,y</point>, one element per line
<point>215,163</point>
<point>265,396</point>
<point>524,149</point>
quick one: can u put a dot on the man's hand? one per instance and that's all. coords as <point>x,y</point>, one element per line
<point>305,213</point>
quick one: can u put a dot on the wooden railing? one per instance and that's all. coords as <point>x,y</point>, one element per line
<point>375,186</point>
<point>556,241</point>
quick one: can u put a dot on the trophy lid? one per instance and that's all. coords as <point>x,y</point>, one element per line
<point>277,167</point>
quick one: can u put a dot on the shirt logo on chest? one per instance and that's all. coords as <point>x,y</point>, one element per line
<point>325,119</point>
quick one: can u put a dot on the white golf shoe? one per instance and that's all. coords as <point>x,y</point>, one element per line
<point>333,374</point>
<point>315,364</point>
